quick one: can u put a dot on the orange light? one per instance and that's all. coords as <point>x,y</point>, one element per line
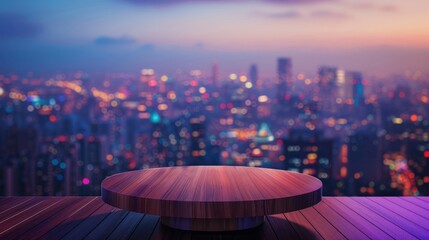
<point>343,172</point>
<point>414,118</point>
<point>109,157</point>
<point>257,152</point>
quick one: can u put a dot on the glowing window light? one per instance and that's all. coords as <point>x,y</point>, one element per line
<point>202,90</point>
<point>243,78</point>
<point>233,76</point>
<point>397,121</point>
<point>162,107</point>
<point>262,99</point>
<point>147,72</point>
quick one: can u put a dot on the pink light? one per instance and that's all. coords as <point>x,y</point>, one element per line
<point>85,181</point>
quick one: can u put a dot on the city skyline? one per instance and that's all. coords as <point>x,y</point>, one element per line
<point>62,134</point>
<point>127,35</point>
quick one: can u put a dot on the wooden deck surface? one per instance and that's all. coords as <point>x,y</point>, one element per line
<point>333,218</point>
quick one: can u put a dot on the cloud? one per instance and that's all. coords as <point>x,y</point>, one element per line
<point>326,14</point>
<point>148,47</point>
<point>388,8</point>
<point>117,41</point>
<point>282,15</point>
<point>199,45</point>
<point>174,2</point>
<point>297,1</point>
<point>368,6</point>
<point>18,26</point>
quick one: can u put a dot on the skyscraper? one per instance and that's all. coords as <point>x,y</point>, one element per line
<point>198,144</point>
<point>215,73</point>
<point>364,158</point>
<point>284,81</point>
<point>327,88</point>
<point>311,157</point>
<point>327,77</point>
<point>358,88</point>
<point>253,74</point>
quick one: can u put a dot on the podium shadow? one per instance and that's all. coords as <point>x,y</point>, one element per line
<point>112,225</point>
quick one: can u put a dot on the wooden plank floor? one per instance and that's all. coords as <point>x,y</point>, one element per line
<point>333,218</point>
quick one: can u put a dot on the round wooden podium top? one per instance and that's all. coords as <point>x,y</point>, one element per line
<point>211,191</point>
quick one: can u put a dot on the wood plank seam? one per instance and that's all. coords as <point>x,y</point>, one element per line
<point>71,229</point>
<point>26,209</point>
<point>384,217</point>
<point>135,227</point>
<point>71,214</point>
<point>407,209</point>
<point>6,230</point>
<point>363,216</point>
<point>330,222</point>
<point>397,215</point>
<point>346,219</point>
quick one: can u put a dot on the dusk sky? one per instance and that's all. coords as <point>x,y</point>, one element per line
<point>126,35</point>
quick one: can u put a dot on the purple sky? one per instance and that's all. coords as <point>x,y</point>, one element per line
<point>126,35</point>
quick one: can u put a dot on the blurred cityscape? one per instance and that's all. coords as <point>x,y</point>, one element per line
<point>361,135</point>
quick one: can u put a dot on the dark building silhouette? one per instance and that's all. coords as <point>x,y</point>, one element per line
<point>327,88</point>
<point>198,144</point>
<point>364,153</point>
<point>311,157</point>
<point>284,79</point>
<point>253,74</point>
<point>357,87</point>
<point>215,75</point>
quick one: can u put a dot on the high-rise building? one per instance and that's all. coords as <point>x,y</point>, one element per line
<point>198,144</point>
<point>285,78</point>
<point>312,158</point>
<point>327,88</point>
<point>357,87</point>
<point>344,89</point>
<point>253,74</point>
<point>364,163</point>
<point>215,73</point>
<point>327,77</point>
<point>418,156</point>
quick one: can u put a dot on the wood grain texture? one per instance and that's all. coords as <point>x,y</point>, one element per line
<point>211,192</point>
<point>91,218</point>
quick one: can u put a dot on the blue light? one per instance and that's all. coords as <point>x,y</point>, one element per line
<point>63,165</point>
<point>55,162</point>
<point>33,99</point>
<point>155,118</point>
<point>60,177</point>
<point>61,98</point>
